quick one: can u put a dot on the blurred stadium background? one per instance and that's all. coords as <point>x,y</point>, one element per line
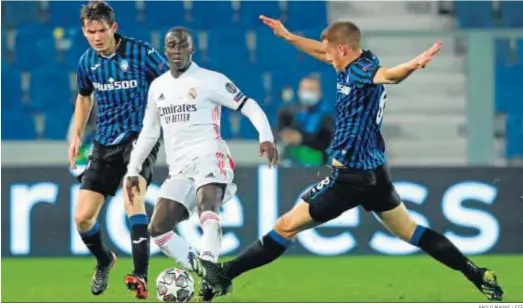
<point>454,134</point>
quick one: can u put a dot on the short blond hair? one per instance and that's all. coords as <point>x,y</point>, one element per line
<point>343,32</point>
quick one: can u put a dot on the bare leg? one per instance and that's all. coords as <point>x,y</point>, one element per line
<point>87,209</point>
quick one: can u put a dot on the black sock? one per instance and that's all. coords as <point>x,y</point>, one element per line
<point>441,248</point>
<point>264,251</point>
<point>140,244</point>
<point>93,240</point>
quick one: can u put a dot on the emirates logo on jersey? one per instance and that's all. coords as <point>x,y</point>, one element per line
<point>174,109</point>
<point>177,113</point>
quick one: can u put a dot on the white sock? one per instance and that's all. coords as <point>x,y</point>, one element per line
<point>175,247</point>
<point>212,236</point>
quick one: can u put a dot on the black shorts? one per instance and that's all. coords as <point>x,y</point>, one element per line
<point>347,188</point>
<point>108,165</point>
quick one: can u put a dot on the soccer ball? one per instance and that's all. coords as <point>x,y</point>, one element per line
<point>174,285</point>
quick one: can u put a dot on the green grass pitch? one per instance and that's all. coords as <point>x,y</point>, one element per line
<point>290,279</point>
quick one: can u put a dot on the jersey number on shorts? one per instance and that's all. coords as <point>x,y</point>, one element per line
<point>381,109</point>
<point>321,185</point>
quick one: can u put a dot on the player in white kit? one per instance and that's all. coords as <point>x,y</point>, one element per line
<point>186,104</point>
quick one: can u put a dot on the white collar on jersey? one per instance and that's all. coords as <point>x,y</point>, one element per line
<point>190,70</point>
<point>193,67</point>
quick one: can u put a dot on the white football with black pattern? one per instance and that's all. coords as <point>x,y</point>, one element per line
<point>174,285</point>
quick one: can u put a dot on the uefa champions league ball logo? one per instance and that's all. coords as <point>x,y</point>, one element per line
<point>82,161</point>
<point>80,168</point>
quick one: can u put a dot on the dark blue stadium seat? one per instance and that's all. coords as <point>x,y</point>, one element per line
<point>249,12</point>
<point>512,13</point>
<point>44,79</point>
<point>247,130</point>
<point>507,82</point>
<point>139,33</point>
<point>272,112</point>
<point>273,52</point>
<point>125,13</point>
<point>35,47</point>
<point>474,14</point>
<point>11,89</point>
<point>71,48</point>
<point>18,125</point>
<point>228,48</point>
<point>16,13</point>
<point>212,14</point>
<point>306,14</point>
<point>65,13</point>
<point>248,79</point>
<point>514,135</point>
<point>520,50</point>
<point>57,124</point>
<point>166,14</point>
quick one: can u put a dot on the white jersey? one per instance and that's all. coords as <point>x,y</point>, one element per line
<point>188,110</point>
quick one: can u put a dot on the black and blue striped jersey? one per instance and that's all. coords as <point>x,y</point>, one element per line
<point>360,105</point>
<point>120,83</point>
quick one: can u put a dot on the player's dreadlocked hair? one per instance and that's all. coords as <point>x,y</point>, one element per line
<point>97,10</point>
<point>343,32</point>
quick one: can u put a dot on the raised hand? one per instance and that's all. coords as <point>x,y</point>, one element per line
<point>276,26</point>
<point>425,57</point>
<point>271,151</point>
<point>132,185</point>
<point>74,148</point>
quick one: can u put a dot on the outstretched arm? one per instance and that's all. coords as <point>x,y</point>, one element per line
<point>398,73</point>
<point>308,46</point>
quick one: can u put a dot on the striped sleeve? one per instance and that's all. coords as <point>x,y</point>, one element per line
<point>85,86</point>
<point>155,64</point>
<point>363,72</point>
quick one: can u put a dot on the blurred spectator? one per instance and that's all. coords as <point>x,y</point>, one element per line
<point>287,95</point>
<point>305,130</point>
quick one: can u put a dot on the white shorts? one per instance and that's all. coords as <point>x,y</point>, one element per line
<point>182,187</point>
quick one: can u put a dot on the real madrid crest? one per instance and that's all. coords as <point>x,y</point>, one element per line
<point>192,93</point>
<point>124,65</point>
